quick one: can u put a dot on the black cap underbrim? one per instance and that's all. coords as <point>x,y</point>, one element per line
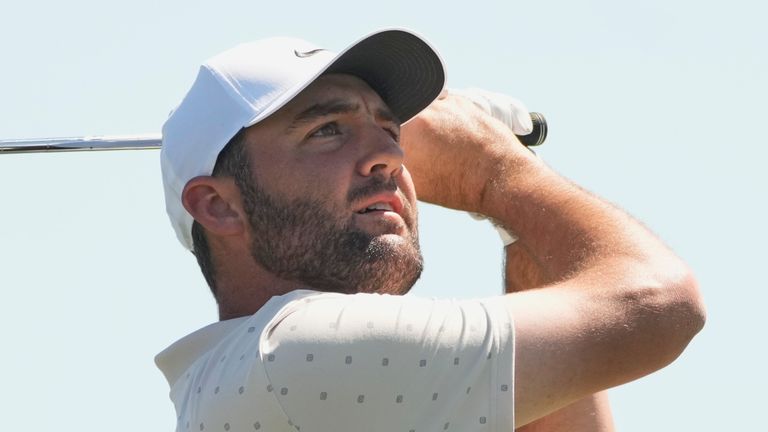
<point>401,67</point>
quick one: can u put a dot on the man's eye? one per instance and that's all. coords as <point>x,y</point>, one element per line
<point>394,133</point>
<point>328,129</point>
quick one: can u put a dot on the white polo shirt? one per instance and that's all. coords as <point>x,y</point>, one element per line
<point>323,362</point>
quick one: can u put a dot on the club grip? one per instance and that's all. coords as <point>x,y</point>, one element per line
<point>539,133</point>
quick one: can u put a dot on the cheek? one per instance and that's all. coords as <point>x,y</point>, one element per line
<point>322,182</point>
<point>317,179</point>
<point>274,172</point>
<point>405,183</point>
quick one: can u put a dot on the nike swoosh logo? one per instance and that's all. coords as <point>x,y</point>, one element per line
<point>309,53</point>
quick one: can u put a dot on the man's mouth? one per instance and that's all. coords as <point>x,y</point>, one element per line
<point>381,203</point>
<point>379,206</point>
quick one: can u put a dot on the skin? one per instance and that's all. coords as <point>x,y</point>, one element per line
<point>347,150</point>
<point>589,414</point>
<point>310,240</point>
<point>608,302</point>
<point>616,303</point>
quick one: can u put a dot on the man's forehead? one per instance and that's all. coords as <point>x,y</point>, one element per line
<point>332,88</point>
<point>328,94</point>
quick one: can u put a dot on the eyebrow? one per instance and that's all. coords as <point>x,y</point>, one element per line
<point>336,106</point>
<point>322,109</point>
<point>387,115</point>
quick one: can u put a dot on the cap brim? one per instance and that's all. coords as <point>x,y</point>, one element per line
<point>400,66</point>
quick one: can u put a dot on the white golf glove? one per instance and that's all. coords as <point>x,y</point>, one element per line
<point>509,110</point>
<point>512,113</point>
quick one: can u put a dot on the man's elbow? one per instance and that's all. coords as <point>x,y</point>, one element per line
<point>677,313</point>
<point>692,308</point>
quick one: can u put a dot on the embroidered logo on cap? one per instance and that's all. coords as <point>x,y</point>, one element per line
<point>309,53</point>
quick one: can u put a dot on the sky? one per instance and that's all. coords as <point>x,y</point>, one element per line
<point>654,105</point>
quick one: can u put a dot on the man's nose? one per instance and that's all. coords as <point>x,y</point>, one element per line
<point>382,153</point>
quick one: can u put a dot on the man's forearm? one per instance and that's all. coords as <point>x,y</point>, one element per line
<point>590,414</point>
<point>615,303</point>
<point>563,227</point>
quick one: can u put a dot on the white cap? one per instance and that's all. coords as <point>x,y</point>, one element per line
<point>244,85</point>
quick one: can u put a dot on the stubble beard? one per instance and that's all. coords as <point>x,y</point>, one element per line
<point>303,241</point>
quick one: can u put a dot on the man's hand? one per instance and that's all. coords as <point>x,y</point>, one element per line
<point>506,109</point>
<point>454,151</point>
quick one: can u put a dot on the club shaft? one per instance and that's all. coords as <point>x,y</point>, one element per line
<point>90,143</point>
<point>154,141</point>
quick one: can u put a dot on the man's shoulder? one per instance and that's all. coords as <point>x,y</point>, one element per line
<point>180,355</point>
<point>326,320</point>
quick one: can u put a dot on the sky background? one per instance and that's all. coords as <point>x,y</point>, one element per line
<point>657,106</point>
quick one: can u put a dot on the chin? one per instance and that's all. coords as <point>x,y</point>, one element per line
<point>395,265</point>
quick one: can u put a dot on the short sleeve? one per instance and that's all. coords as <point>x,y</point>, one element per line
<point>392,363</point>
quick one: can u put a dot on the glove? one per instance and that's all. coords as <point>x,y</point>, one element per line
<point>507,237</point>
<point>512,113</point>
<point>509,110</point>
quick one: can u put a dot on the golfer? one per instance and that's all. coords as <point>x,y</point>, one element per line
<point>292,173</point>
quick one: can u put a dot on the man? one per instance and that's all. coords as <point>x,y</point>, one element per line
<point>288,174</point>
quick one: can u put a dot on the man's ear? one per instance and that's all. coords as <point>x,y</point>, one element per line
<point>215,203</point>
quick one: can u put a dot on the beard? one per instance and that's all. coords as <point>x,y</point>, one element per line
<point>304,240</point>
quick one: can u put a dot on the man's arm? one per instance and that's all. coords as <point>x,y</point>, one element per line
<point>620,305</point>
<point>590,414</point>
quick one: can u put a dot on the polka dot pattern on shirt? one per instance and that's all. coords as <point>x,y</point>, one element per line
<point>400,378</point>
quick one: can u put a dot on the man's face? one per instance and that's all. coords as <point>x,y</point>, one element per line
<point>330,204</point>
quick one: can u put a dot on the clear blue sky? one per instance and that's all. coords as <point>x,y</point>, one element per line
<point>656,105</point>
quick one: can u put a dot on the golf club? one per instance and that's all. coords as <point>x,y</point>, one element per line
<point>154,141</point>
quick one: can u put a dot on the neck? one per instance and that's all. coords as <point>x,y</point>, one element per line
<point>244,286</point>
<point>246,295</point>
